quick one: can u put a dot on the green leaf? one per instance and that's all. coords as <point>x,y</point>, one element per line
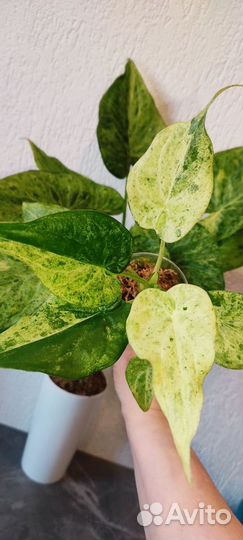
<point>228,308</point>
<point>226,205</point>
<point>175,331</point>
<point>47,163</point>
<point>198,256</point>
<point>128,121</point>
<point>70,190</point>
<point>84,235</point>
<point>231,251</point>
<point>32,211</point>
<point>170,187</point>
<point>78,351</point>
<point>139,379</point>
<point>87,287</point>
<point>144,240</point>
<point>21,292</point>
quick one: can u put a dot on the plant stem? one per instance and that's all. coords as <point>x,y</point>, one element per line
<point>124,215</point>
<point>153,280</point>
<point>133,275</point>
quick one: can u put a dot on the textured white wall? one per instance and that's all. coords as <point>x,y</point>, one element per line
<point>57,58</point>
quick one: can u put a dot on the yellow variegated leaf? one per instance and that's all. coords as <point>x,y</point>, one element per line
<point>51,318</point>
<point>87,287</point>
<point>175,331</point>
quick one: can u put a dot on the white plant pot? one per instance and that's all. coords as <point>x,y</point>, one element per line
<point>59,424</point>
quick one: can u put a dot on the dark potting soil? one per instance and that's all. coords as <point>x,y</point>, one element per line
<point>89,386</point>
<point>144,268</point>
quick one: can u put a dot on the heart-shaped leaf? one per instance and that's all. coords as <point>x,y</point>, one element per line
<point>128,121</point>
<point>226,205</point>
<point>84,235</point>
<point>139,374</point>
<point>21,292</point>
<point>87,287</point>
<point>70,190</point>
<point>175,331</point>
<point>72,353</point>
<point>32,211</point>
<point>170,187</point>
<point>228,308</point>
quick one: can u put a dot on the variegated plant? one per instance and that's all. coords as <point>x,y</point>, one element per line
<point>61,304</point>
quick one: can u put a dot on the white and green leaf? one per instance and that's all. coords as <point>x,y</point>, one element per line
<point>170,187</point>
<point>228,308</point>
<point>175,331</point>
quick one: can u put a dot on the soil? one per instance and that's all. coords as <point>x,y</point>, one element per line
<point>144,268</point>
<point>89,386</point>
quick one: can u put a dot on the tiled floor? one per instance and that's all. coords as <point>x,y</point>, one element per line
<point>96,500</point>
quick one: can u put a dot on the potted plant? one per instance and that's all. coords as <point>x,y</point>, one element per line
<point>25,197</point>
<point>84,262</point>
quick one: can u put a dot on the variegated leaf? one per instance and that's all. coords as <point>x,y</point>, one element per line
<point>84,235</point>
<point>70,190</point>
<point>69,351</point>
<point>175,331</point>
<point>21,292</point>
<point>170,187</point>
<point>87,287</point>
<point>128,121</point>
<point>139,375</point>
<point>226,206</point>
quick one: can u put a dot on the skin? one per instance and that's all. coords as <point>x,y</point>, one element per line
<point>159,473</point>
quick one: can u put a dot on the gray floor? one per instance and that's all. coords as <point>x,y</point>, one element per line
<point>96,499</point>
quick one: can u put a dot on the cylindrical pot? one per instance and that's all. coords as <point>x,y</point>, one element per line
<point>59,421</point>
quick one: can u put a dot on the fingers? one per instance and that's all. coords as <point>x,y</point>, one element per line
<point>127,355</point>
